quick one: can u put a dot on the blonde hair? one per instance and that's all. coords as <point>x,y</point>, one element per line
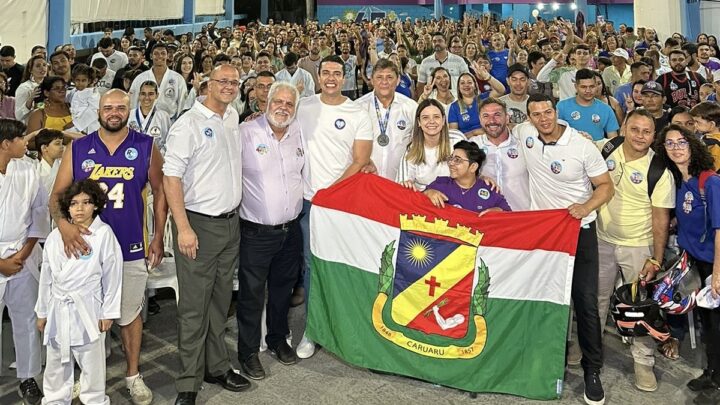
<point>416,150</point>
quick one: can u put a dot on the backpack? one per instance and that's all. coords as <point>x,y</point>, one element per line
<point>655,170</point>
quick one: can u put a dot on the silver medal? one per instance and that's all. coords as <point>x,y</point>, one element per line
<point>383,140</point>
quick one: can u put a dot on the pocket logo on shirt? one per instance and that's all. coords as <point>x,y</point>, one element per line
<point>575,115</point>
<point>401,125</point>
<point>262,149</point>
<point>339,123</point>
<point>687,203</point>
<point>595,119</point>
<point>610,165</point>
<point>87,165</point>
<point>136,247</point>
<point>208,132</point>
<point>484,194</point>
<point>556,167</point>
<point>171,82</point>
<point>636,177</point>
<point>155,131</point>
<point>131,154</point>
<point>170,93</point>
<point>134,126</point>
<point>512,153</point>
<point>87,256</point>
<point>529,142</point>
<point>299,152</point>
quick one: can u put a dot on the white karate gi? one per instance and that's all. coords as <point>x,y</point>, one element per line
<point>158,126</point>
<point>172,91</point>
<point>23,215</point>
<point>75,294</point>
<point>84,109</point>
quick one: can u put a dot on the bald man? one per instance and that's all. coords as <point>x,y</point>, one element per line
<point>123,161</point>
<point>203,180</point>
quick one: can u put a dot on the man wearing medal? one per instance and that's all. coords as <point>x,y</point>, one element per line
<point>392,116</point>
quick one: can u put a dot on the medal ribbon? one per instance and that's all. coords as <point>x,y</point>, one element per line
<point>382,123</point>
<point>147,123</point>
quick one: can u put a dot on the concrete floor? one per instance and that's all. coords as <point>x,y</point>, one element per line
<point>324,379</point>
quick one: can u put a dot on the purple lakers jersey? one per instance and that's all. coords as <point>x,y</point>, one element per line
<point>124,176</point>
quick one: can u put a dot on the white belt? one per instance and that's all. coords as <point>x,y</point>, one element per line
<point>64,298</point>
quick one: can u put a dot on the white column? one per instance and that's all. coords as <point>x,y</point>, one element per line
<point>665,16</point>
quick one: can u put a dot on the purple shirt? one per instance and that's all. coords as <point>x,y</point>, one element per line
<point>124,175</point>
<point>272,173</point>
<point>478,198</point>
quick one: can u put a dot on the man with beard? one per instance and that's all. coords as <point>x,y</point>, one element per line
<point>106,50</point>
<point>271,238</point>
<point>516,101</point>
<point>392,116</point>
<point>681,87</point>
<point>454,64</point>
<point>311,63</point>
<point>203,179</point>
<point>567,171</point>
<point>299,77</point>
<point>703,56</point>
<point>586,113</point>
<point>692,63</point>
<point>504,163</point>
<point>172,89</point>
<point>60,63</point>
<point>351,86</point>
<point>136,57</point>
<point>124,161</point>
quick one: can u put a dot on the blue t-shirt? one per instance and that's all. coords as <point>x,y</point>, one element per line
<point>622,92</point>
<point>478,198</point>
<point>499,64</point>
<point>692,222</point>
<point>597,119</point>
<point>404,86</point>
<point>468,120</point>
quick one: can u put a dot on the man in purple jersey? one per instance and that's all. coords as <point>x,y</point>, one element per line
<point>123,161</point>
<point>462,189</point>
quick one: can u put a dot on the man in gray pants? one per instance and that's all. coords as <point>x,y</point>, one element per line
<point>203,177</point>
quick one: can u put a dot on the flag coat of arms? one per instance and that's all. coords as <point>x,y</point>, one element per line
<point>440,294</point>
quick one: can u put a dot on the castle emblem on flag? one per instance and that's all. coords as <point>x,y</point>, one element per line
<point>433,293</point>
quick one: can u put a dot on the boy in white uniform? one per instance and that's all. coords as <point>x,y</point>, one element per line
<point>23,220</point>
<point>78,299</point>
<point>172,89</point>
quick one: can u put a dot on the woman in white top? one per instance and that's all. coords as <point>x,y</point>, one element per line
<point>148,119</point>
<point>35,71</point>
<point>431,145</point>
<point>438,88</point>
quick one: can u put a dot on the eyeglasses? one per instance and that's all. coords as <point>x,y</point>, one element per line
<point>670,145</point>
<point>227,83</point>
<point>455,160</point>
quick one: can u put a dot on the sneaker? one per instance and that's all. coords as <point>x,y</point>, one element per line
<point>645,378</point>
<point>139,392</point>
<point>703,382</point>
<point>306,348</point>
<point>574,355</point>
<point>594,394</point>
<point>30,392</point>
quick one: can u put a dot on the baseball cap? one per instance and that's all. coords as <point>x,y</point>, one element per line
<point>621,53</point>
<point>652,87</point>
<point>517,67</point>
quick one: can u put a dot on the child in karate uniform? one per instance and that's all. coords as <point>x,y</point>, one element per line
<point>78,299</point>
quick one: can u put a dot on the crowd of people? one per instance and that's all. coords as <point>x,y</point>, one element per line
<point>232,131</point>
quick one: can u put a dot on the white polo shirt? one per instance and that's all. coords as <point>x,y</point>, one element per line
<point>560,173</point>
<point>329,132</point>
<point>401,122</point>
<point>205,151</point>
<point>453,63</point>
<point>506,166</point>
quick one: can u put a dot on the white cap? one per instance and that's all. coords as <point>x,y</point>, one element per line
<point>621,53</point>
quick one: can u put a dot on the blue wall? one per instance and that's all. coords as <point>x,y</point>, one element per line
<point>617,13</point>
